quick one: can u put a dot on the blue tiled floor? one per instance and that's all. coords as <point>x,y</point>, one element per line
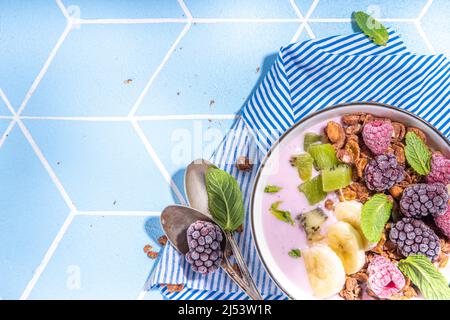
<point>87,146</point>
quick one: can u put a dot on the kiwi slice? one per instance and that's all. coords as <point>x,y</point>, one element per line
<point>310,139</point>
<point>324,156</point>
<point>311,222</point>
<point>312,189</point>
<point>303,163</point>
<point>336,178</point>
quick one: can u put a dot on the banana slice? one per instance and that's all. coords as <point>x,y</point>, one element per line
<point>350,212</point>
<point>325,270</point>
<point>348,245</point>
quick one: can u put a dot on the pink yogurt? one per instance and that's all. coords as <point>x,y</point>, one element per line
<point>280,236</point>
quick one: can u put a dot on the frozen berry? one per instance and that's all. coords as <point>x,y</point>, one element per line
<point>412,236</point>
<point>377,135</point>
<point>420,200</point>
<point>383,172</point>
<point>385,279</point>
<point>205,254</point>
<point>443,222</point>
<point>440,169</point>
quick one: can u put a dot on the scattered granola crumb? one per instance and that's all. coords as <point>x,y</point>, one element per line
<point>128,81</point>
<point>114,202</point>
<point>152,254</point>
<point>329,204</point>
<point>147,248</point>
<point>173,287</point>
<point>178,93</point>
<point>243,164</point>
<point>162,240</point>
<point>240,229</point>
<point>211,103</point>
<point>257,70</point>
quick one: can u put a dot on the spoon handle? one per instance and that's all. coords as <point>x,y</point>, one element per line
<point>228,268</point>
<point>241,263</point>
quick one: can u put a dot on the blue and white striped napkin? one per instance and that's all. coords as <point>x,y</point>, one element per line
<point>306,77</point>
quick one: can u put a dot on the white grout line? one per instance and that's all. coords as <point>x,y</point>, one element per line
<point>63,9</point>
<point>157,161</point>
<point>48,255</point>
<point>185,9</point>
<point>7,132</point>
<point>45,67</point>
<point>155,74</point>
<point>304,24</point>
<point>47,166</point>
<point>7,103</point>
<point>425,9</point>
<point>141,295</point>
<point>424,37</point>
<point>119,213</point>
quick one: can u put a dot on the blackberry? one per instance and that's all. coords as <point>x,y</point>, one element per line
<point>420,200</point>
<point>205,253</point>
<point>412,236</point>
<point>383,172</point>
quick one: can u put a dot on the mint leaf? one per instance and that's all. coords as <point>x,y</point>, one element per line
<point>417,154</point>
<point>375,213</point>
<point>304,164</point>
<point>425,276</point>
<point>295,253</point>
<point>310,139</point>
<point>371,28</point>
<point>282,215</point>
<point>272,189</point>
<point>224,199</point>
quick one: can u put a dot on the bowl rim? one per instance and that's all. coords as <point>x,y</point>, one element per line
<point>284,135</point>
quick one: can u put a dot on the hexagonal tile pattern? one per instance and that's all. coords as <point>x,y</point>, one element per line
<point>103,166</point>
<point>120,9</point>
<point>32,212</point>
<point>105,78</point>
<point>119,269</point>
<point>436,31</point>
<point>215,68</point>
<point>240,9</point>
<point>29,31</point>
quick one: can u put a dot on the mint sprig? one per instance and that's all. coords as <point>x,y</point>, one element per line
<point>425,276</point>
<point>375,213</point>
<point>224,199</point>
<point>295,253</point>
<point>417,154</point>
<point>282,215</point>
<point>371,28</point>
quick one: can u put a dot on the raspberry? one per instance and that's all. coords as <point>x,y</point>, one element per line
<point>385,279</point>
<point>420,200</point>
<point>377,135</point>
<point>440,169</point>
<point>205,253</point>
<point>412,236</point>
<point>383,172</point>
<point>443,222</point>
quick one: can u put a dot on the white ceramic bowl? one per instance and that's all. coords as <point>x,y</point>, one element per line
<point>435,140</point>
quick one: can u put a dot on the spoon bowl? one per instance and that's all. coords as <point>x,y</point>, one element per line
<point>176,219</point>
<point>194,185</point>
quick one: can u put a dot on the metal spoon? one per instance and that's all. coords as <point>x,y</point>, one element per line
<point>176,219</point>
<point>194,184</point>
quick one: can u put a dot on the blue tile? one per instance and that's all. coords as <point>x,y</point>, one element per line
<point>179,142</point>
<point>215,68</point>
<point>377,8</point>
<point>4,123</point>
<point>93,64</point>
<point>99,257</point>
<point>436,27</point>
<point>406,30</point>
<point>240,9</point>
<point>113,9</point>
<point>103,166</point>
<point>32,212</point>
<point>4,109</point>
<point>304,6</point>
<point>29,31</point>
